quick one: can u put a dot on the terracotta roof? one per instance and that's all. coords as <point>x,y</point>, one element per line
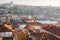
<point>4,29</point>
<point>53,30</point>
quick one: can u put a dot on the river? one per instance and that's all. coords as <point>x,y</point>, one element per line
<point>46,21</point>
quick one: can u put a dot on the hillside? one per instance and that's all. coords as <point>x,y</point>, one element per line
<point>38,11</point>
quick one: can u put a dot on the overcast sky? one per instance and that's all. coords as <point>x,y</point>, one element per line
<point>34,2</point>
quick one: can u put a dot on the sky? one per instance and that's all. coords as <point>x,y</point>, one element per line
<point>34,2</point>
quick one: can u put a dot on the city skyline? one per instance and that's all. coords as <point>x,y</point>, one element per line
<point>34,2</point>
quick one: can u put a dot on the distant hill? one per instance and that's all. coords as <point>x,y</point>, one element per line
<point>45,11</point>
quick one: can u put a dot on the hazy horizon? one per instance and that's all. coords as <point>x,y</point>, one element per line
<point>34,2</point>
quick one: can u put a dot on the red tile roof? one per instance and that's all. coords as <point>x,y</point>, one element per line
<point>53,30</point>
